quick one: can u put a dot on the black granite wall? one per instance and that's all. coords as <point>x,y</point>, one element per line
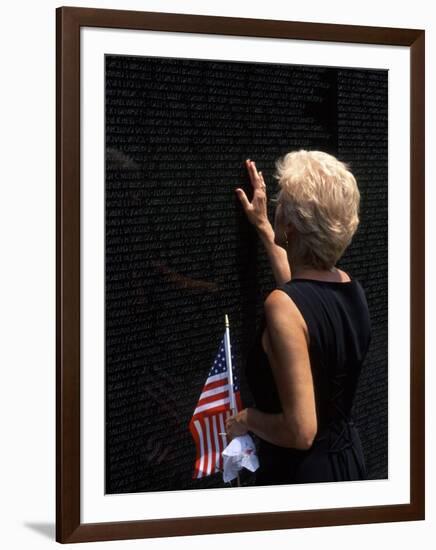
<point>179,252</point>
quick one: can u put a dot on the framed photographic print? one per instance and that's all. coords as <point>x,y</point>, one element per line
<point>240,274</point>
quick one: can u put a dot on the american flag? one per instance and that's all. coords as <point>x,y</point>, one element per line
<point>210,414</point>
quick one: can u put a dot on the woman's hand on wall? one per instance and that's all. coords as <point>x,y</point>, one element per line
<point>256,210</point>
<point>257,214</point>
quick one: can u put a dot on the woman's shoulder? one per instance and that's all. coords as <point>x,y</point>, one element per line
<point>277,302</point>
<point>282,310</point>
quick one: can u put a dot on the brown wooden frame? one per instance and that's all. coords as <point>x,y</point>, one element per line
<point>68,23</point>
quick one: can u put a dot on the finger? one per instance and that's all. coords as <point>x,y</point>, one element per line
<point>254,167</point>
<point>254,176</point>
<point>243,198</point>
<point>261,178</point>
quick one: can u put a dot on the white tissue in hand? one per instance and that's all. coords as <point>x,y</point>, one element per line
<point>239,453</point>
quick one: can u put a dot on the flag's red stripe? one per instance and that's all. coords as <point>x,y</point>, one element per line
<point>216,443</point>
<point>212,398</point>
<point>215,384</point>
<point>206,447</point>
<point>212,448</point>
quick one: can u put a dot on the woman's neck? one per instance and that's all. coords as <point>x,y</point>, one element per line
<point>305,271</point>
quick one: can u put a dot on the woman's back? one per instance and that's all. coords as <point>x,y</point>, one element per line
<point>338,322</point>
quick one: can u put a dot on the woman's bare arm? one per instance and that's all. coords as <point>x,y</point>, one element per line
<point>270,426</point>
<point>288,354</point>
<point>277,255</point>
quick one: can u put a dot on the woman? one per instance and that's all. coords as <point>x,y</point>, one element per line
<point>304,367</point>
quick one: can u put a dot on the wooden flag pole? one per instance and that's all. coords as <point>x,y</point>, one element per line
<point>230,372</point>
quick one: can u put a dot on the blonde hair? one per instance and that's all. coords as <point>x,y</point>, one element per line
<point>320,198</point>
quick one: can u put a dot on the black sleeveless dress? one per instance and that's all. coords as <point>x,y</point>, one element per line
<point>339,326</point>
